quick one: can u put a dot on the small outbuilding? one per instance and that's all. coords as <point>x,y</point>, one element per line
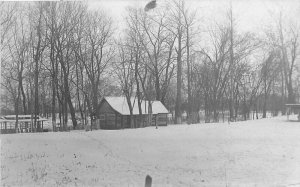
<point>25,124</point>
<point>293,108</point>
<point>114,113</point>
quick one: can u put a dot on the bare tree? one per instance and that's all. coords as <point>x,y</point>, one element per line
<point>94,51</point>
<point>158,42</point>
<point>70,16</point>
<point>37,47</point>
<point>125,74</point>
<point>20,56</point>
<point>269,71</point>
<point>50,19</point>
<point>289,50</point>
<point>189,20</point>
<point>7,18</point>
<point>285,36</point>
<point>217,69</point>
<point>177,21</point>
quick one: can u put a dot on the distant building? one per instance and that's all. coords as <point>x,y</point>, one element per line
<point>114,113</point>
<point>293,108</point>
<point>25,124</point>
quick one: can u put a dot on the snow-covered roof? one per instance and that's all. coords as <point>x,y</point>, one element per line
<point>120,105</point>
<point>20,116</point>
<point>293,105</point>
<point>20,120</point>
<point>23,117</point>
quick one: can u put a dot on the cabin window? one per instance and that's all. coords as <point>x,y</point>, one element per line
<point>110,115</point>
<point>119,121</point>
<point>162,117</point>
<point>111,120</point>
<point>102,117</point>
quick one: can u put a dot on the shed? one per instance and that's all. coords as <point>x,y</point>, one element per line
<point>114,113</point>
<point>25,124</point>
<point>295,108</point>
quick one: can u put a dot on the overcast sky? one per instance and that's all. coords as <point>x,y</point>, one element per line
<point>250,14</point>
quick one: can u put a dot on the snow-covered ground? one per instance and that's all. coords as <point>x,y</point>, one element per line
<point>254,153</point>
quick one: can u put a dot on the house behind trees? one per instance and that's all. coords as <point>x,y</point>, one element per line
<point>114,113</point>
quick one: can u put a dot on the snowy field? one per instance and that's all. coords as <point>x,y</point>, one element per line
<point>254,153</point>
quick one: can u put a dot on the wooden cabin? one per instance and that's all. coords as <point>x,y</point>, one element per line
<point>114,113</point>
<point>25,124</point>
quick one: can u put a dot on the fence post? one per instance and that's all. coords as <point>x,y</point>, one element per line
<point>148,182</point>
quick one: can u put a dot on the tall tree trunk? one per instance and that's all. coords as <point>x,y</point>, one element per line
<point>37,57</point>
<point>138,92</point>
<point>53,105</point>
<point>265,106</point>
<point>78,96</point>
<point>70,104</point>
<point>36,95</point>
<point>179,81</point>
<point>94,97</point>
<point>23,99</point>
<point>231,100</point>
<point>17,109</point>
<point>189,112</point>
<point>67,92</point>
<point>54,67</point>
<point>283,95</point>
<point>128,99</point>
<point>265,99</point>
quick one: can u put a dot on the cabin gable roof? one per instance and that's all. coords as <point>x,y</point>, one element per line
<point>105,106</point>
<point>119,104</point>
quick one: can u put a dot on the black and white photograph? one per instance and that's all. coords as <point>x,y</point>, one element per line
<point>150,93</point>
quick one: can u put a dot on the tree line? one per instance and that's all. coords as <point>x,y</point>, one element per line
<point>62,58</point>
